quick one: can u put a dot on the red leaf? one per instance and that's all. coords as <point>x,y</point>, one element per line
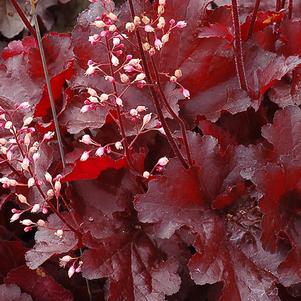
<point>49,244</point>
<point>57,83</point>
<point>92,168</point>
<point>138,271</point>
<point>12,293</point>
<point>38,284</point>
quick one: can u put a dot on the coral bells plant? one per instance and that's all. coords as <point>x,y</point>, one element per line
<point>153,154</point>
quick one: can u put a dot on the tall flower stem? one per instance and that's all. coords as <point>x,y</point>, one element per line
<point>156,101</point>
<point>48,84</point>
<point>23,18</point>
<point>253,18</point>
<point>172,113</point>
<point>240,68</point>
<point>121,126</point>
<point>290,9</point>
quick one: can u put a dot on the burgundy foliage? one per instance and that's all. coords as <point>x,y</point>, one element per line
<point>196,197</point>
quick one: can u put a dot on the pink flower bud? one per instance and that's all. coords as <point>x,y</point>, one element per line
<point>45,210</point>
<point>27,229</point>
<point>30,182</point>
<point>186,93</point>
<point>158,44</point>
<point>71,271</point>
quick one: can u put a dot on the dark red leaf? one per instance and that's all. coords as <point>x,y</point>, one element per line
<point>38,284</point>
<point>12,293</point>
<point>49,244</point>
<point>92,168</point>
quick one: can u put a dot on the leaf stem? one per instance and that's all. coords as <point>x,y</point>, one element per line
<point>156,101</point>
<point>278,5</point>
<point>48,84</point>
<point>253,19</point>
<point>240,68</point>
<point>24,18</point>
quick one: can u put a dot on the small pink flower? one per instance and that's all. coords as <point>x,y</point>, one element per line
<point>181,24</point>
<point>148,28</point>
<point>158,44</point>
<point>186,93</point>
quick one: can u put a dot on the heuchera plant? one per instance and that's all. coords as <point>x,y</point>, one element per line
<point>153,154</point>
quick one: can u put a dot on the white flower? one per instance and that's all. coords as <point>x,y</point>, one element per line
<point>130,26</point>
<point>27,222</point>
<point>186,93</point>
<point>85,156</point>
<point>86,139</point>
<point>92,92</point>
<point>133,112</point>
<point>158,44</point>
<point>146,119</point>
<point>140,76</point>
<point>100,151</point>
<point>59,233</point>
<point>27,121</point>
<point>146,175</point>
<point>141,109</point>
<point>115,60</point>
<point>119,102</point>
<point>48,177</point>
<point>71,271</point>
<point>35,208</point>
<point>163,161</point>
<point>22,199</point>
<point>48,135</point>
<point>30,182</point>
<point>148,28</point>
<point>181,24</point>
<point>15,217</point>
<point>8,125</point>
<point>118,145</point>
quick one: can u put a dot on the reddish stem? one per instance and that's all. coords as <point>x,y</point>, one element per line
<point>240,68</point>
<point>253,19</point>
<point>24,18</point>
<point>121,126</point>
<point>278,5</point>
<point>156,101</point>
<point>283,4</point>
<point>290,9</point>
<point>172,113</point>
